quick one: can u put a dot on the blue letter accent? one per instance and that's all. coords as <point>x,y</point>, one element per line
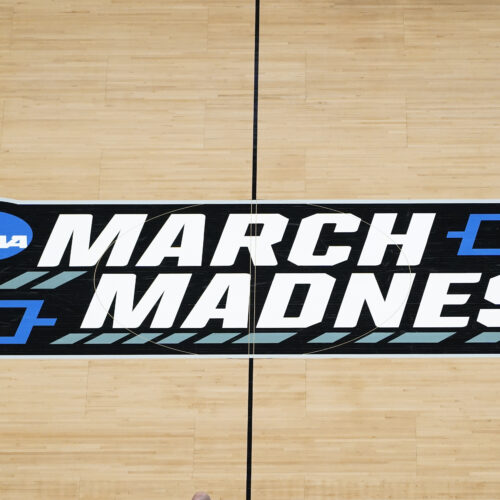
<point>469,234</point>
<point>29,320</point>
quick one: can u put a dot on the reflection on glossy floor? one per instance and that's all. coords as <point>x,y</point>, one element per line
<point>114,99</point>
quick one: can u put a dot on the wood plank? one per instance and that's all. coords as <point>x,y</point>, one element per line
<point>379,100</point>
<point>377,428</point>
<point>109,79</point>
<point>123,428</point>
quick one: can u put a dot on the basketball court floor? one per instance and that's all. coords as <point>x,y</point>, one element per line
<point>156,100</point>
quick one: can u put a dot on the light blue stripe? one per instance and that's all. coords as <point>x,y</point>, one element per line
<point>107,338</point>
<point>328,338</point>
<point>176,338</point>
<point>22,279</point>
<point>264,338</point>
<point>374,337</point>
<point>142,338</point>
<point>216,338</point>
<point>71,338</point>
<point>421,337</point>
<point>58,280</point>
<point>485,338</point>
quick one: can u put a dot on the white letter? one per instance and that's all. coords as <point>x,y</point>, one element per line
<point>191,248</point>
<point>307,236</point>
<point>436,296</point>
<point>233,238</point>
<point>280,292</point>
<point>122,229</point>
<point>235,314</point>
<point>169,289</point>
<point>412,243</point>
<point>363,287</point>
<point>491,317</point>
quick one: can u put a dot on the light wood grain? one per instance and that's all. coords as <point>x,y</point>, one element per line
<point>378,429</point>
<point>116,99</point>
<point>374,99</point>
<point>122,428</point>
<point>107,80</point>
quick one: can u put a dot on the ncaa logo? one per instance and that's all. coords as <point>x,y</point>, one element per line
<point>15,235</point>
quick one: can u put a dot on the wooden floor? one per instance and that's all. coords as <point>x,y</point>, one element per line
<point>119,99</point>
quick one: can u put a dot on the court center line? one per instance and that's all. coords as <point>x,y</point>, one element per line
<point>253,280</point>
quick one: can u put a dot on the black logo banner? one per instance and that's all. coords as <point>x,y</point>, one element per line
<point>249,278</point>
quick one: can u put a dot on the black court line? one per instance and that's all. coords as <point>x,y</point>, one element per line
<point>249,430</point>
<point>252,276</point>
<point>255,100</point>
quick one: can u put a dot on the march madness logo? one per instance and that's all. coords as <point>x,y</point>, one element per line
<point>246,278</point>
